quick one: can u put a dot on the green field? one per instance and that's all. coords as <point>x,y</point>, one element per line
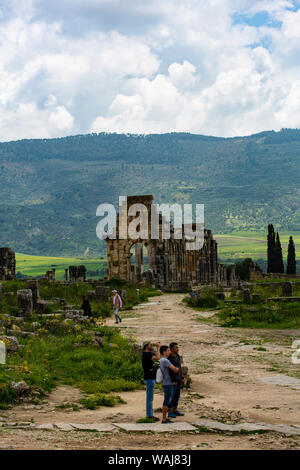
<point>237,245</point>
<point>38,265</point>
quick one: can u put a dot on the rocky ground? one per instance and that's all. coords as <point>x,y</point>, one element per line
<point>238,376</point>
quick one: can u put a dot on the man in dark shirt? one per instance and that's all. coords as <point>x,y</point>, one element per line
<point>85,306</point>
<point>177,380</point>
<point>149,368</point>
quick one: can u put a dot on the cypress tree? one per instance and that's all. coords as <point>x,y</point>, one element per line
<point>279,267</point>
<point>271,249</point>
<point>291,259</point>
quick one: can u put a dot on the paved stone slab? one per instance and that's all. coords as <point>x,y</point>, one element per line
<point>46,427</point>
<point>290,430</point>
<point>215,425</point>
<point>101,427</point>
<point>64,426</point>
<point>281,379</point>
<point>285,429</point>
<point>156,427</point>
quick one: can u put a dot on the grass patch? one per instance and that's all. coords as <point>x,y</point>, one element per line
<point>274,315</point>
<point>258,431</point>
<point>145,420</point>
<point>111,385</point>
<point>68,406</point>
<point>63,352</point>
<point>204,429</point>
<point>197,395</point>
<point>93,402</point>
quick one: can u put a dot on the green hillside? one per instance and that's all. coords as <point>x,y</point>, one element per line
<point>50,189</point>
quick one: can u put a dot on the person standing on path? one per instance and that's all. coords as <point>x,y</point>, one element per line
<point>166,366</point>
<point>177,380</point>
<point>149,368</point>
<point>116,305</point>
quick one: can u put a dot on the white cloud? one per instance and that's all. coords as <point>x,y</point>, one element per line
<point>182,75</point>
<point>61,118</point>
<point>177,65</point>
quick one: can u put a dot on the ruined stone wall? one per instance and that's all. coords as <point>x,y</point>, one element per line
<point>7,264</point>
<point>77,273</point>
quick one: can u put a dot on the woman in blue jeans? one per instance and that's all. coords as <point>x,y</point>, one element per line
<point>167,383</point>
<point>148,357</point>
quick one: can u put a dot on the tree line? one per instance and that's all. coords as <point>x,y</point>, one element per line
<point>275,259</point>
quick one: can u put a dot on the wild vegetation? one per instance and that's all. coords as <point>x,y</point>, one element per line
<point>56,350</point>
<point>257,313</point>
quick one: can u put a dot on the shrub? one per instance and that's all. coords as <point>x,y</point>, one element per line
<point>101,309</point>
<point>6,394</point>
<point>206,300</point>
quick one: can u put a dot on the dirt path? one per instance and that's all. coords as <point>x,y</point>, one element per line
<point>228,384</point>
<point>224,368</point>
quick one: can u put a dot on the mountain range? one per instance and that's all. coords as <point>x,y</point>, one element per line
<point>50,188</point>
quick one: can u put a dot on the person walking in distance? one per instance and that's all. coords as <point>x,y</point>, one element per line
<point>116,304</point>
<point>177,380</point>
<point>168,387</point>
<point>149,368</point>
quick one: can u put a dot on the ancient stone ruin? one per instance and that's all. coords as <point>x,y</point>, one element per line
<point>33,285</point>
<point>50,275</point>
<point>100,294</point>
<point>25,303</point>
<point>171,265</point>
<point>7,264</point>
<point>77,273</point>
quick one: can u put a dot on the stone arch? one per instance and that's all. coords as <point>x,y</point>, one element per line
<point>170,264</point>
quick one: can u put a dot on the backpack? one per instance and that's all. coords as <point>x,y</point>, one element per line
<point>159,376</point>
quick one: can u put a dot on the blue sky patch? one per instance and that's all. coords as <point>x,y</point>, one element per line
<point>261,18</point>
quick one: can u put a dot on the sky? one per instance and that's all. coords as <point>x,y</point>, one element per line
<point>213,67</point>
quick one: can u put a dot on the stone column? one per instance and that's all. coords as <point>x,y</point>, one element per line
<point>66,274</point>
<point>33,285</point>
<point>232,279</point>
<point>24,302</point>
